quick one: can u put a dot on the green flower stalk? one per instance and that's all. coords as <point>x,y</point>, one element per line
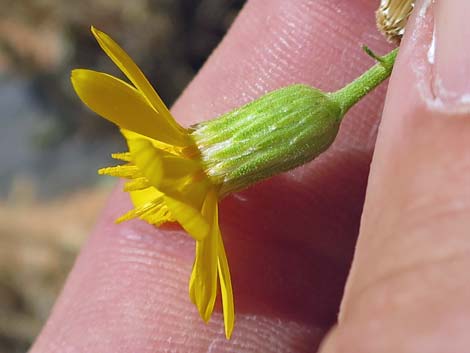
<point>175,174</point>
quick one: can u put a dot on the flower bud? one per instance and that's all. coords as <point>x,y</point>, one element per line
<point>277,132</point>
<point>392,16</point>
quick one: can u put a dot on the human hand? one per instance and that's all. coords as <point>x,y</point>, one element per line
<point>289,240</point>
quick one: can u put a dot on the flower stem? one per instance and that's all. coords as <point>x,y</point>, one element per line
<point>349,95</point>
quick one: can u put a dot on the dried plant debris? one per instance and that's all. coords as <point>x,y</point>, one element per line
<point>392,17</point>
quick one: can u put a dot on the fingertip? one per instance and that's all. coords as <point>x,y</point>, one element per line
<point>414,227</point>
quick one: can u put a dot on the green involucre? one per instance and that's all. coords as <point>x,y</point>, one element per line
<point>277,132</point>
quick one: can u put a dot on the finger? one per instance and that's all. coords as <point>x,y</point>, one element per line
<point>408,290</point>
<point>288,240</point>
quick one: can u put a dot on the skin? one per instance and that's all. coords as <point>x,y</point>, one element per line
<point>290,240</point>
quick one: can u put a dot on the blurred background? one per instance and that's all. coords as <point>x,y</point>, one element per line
<point>51,145</point>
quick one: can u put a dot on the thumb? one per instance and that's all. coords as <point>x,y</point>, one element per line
<point>409,288</point>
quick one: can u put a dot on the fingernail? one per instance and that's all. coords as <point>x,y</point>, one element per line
<point>452,50</point>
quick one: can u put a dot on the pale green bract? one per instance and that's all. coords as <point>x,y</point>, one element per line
<point>280,131</point>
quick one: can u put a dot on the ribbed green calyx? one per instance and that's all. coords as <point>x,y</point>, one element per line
<point>277,132</point>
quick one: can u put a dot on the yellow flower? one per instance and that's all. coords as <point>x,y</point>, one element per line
<point>167,181</point>
<point>179,174</point>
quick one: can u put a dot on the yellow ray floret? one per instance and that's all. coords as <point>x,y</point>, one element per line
<point>135,75</point>
<point>166,178</point>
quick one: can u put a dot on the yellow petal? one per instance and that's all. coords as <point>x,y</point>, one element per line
<point>130,135</point>
<point>156,216</point>
<point>225,287</point>
<point>123,105</point>
<point>135,75</point>
<point>203,282</point>
<point>159,165</point>
<point>147,159</point>
<point>151,207</point>
<point>141,197</point>
<point>188,217</point>
<point>175,167</point>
